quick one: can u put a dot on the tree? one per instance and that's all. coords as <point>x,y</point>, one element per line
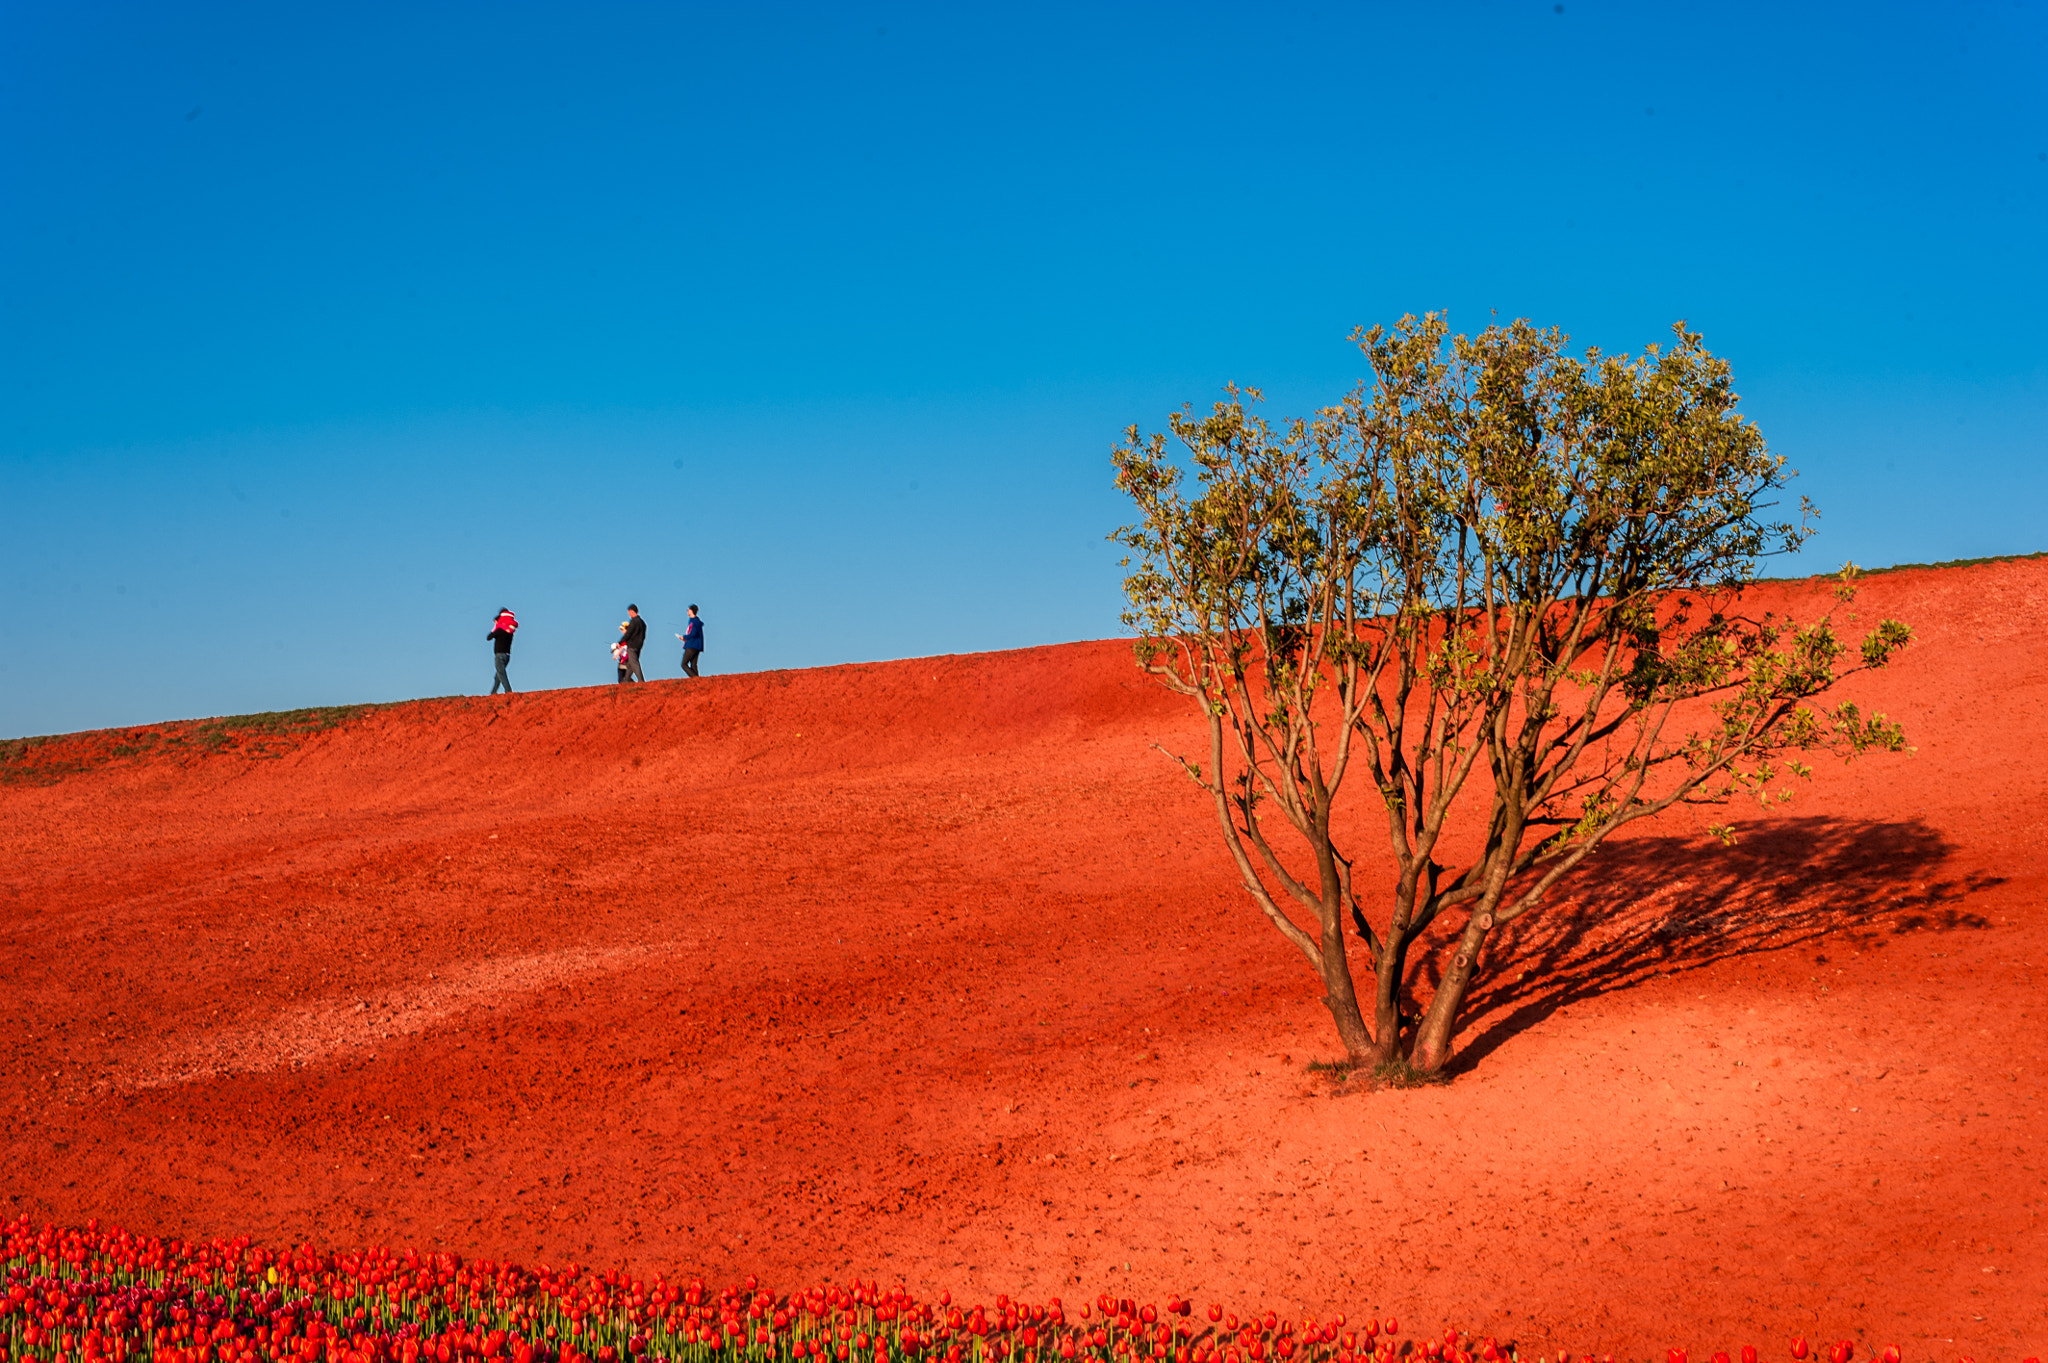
<point>1492,565</point>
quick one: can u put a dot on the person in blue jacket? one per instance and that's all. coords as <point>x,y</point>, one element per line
<point>692,639</point>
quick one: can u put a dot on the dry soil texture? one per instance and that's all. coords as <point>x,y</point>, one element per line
<point>935,971</point>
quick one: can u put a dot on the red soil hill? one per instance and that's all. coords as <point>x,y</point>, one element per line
<point>934,971</point>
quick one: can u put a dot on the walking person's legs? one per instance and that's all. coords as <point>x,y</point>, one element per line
<point>633,664</point>
<point>502,679</point>
<point>690,661</point>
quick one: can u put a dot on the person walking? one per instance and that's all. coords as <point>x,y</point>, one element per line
<point>501,644</point>
<point>622,656</point>
<point>692,639</point>
<point>636,635</point>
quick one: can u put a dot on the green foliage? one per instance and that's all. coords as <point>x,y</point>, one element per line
<point>1399,1074</point>
<point>254,732</point>
<point>1938,563</point>
<point>46,759</point>
<point>1492,555</point>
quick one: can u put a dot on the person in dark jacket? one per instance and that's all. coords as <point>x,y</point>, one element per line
<point>692,639</point>
<point>501,644</point>
<point>636,635</point>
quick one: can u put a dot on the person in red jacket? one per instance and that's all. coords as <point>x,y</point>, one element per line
<point>501,645</point>
<point>622,657</point>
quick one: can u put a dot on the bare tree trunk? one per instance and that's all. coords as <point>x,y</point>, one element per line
<point>1393,967</point>
<point>1433,1033</point>
<point>1341,998</point>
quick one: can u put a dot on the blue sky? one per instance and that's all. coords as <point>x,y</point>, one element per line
<point>327,330</point>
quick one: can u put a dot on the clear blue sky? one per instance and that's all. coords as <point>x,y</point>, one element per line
<point>327,330</point>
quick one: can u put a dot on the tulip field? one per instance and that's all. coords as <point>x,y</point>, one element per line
<point>105,1296</point>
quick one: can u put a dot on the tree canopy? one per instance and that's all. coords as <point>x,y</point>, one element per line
<point>1503,587</point>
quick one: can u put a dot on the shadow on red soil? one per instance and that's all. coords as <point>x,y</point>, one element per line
<point>1787,884</point>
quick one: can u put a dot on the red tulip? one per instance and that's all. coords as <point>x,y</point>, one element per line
<point>1799,1347</point>
<point>1215,1311</point>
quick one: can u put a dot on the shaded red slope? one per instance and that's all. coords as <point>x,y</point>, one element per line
<point>935,970</point>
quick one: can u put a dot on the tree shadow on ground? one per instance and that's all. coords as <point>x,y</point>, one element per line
<point>1664,905</point>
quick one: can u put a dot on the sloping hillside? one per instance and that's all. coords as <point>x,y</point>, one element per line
<point>935,971</point>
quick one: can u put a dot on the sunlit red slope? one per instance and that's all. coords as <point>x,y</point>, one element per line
<point>935,971</point>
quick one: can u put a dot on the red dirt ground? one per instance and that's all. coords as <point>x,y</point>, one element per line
<point>934,971</point>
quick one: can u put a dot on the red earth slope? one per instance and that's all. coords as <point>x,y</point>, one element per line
<point>934,971</point>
